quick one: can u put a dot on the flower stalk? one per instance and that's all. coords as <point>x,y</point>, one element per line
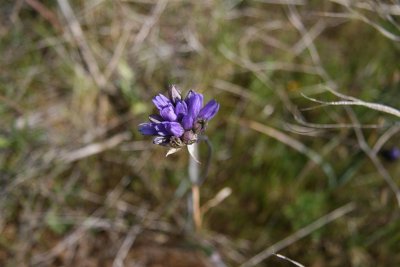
<point>197,216</point>
<point>197,178</point>
<point>194,177</point>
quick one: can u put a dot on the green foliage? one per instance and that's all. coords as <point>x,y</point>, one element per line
<point>306,208</point>
<point>55,223</point>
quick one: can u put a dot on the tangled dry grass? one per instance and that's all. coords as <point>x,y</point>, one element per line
<point>80,187</point>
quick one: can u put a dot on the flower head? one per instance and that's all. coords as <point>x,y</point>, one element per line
<point>391,154</point>
<point>180,121</point>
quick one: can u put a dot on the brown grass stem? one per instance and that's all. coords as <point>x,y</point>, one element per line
<point>196,208</point>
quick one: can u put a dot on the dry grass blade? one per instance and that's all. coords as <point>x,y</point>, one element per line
<point>219,197</point>
<point>385,137</point>
<point>357,102</point>
<point>336,125</point>
<point>84,48</point>
<point>236,90</point>
<point>89,223</point>
<point>293,143</point>
<point>45,13</point>
<point>283,2</point>
<point>126,246</point>
<point>95,148</point>
<point>307,39</point>
<point>149,23</point>
<point>289,260</point>
<point>373,157</point>
<point>303,232</point>
<point>119,50</point>
<point>357,15</point>
<point>393,9</point>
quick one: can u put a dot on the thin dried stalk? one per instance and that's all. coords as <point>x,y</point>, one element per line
<point>303,232</point>
<point>356,102</point>
<point>293,143</point>
<point>374,158</point>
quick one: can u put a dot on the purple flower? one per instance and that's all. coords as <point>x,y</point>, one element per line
<point>180,121</point>
<point>391,154</point>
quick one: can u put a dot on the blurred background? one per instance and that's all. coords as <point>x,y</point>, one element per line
<point>291,174</point>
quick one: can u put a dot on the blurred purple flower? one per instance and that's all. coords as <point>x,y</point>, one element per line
<point>391,154</point>
<point>180,121</point>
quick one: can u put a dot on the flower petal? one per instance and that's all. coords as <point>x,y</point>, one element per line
<point>147,128</point>
<point>174,93</point>
<point>209,110</point>
<point>161,130</point>
<point>174,128</point>
<point>168,113</point>
<point>181,109</point>
<point>194,103</point>
<point>161,101</point>
<point>160,140</point>
<point>391,154</point>
<point>187,122</point>
<point>172,151</point>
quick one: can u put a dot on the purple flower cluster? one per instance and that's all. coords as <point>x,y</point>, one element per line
<point>180,121</point>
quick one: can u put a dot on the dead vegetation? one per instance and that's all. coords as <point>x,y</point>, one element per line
<point>79,186</point>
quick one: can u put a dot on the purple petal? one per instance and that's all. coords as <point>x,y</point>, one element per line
<point>147,128</point>
<point>181,109</point>
<point>167,128</point>
<point>209,110</point>
<point>391,154</point>
<point>187,122</point>
<point>168,113</point>
<point>194,103</point>
<point>161,101</point>
<point>174,128</point>
<point>161,130</point>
